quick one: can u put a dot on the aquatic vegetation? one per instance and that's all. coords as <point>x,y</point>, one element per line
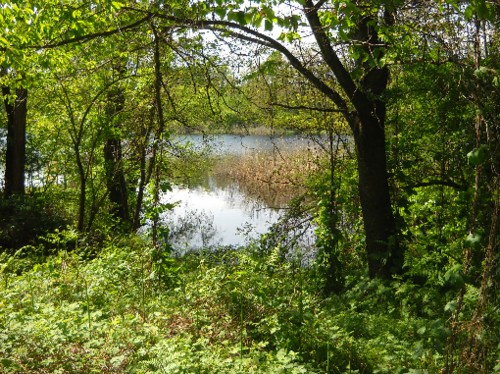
<point>273,177</point>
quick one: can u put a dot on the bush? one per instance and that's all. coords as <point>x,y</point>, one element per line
<point>23,220</point>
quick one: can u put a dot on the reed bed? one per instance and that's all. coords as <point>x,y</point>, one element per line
<point>272,177</point>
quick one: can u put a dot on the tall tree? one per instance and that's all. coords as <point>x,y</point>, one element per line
<point>16,107</point>
<point>357,93</point>
<point>113,157</point>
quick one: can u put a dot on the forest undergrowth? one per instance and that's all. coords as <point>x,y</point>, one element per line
<point>135,308</point>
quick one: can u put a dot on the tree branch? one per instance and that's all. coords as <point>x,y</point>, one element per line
<point>88,37</point>
<point>328,53</point>
<point>319,4</point>
<point>305,107</point>
<point>244,33</point>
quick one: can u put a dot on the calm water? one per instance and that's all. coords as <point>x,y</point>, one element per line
<point>215,216</point>
<point>240,145</point>
<point>224,215</point>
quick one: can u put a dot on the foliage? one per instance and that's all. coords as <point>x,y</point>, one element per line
<point>25,220</point>
<point>423,76</point>
<point>225,311</point>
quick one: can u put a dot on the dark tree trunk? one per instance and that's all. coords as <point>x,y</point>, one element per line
<point>144,175</point>
<point>140,191</point>
<point>367,122</point>
<point>115,179</point>
<point>83,190</point>
<point>385,258</point>
<point>115,175</point>
<point>16,141</point>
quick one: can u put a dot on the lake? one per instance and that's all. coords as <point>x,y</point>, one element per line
<point>218,212</point>
<point>221,213</point>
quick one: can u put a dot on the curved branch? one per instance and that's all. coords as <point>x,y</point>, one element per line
<point>244,33</point>
<point>88,37</point>
<point>331,58</point>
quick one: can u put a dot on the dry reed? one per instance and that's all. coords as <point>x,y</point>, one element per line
<point>272,177</point>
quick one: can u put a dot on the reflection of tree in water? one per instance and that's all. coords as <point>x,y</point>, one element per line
<point>194,229</point>
<point>250,185</point>
<point>233,194</point>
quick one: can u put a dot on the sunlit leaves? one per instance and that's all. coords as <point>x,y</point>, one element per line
<point>478,155</point>
<point>117,5</point>
<point>239,17</point>
<point>221,12</point>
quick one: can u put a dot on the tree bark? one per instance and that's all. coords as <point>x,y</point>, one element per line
<point>367,122</point>
<point>16,141</point>
<point>384,255</point>
<point>115,176</point>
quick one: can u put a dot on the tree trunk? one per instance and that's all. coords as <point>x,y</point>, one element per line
<point>144,175</point>
<point>367,122</point>
<point>16,141</point>
<point>83,190</point>
<point>115,176</point>
<point>385,257</point>
<point>115,179</point>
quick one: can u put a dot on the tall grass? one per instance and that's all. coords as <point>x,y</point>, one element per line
<point>272,177</point>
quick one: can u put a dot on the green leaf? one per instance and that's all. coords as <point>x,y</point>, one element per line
<point>451,306</point>
<point>473,241</point>
<point>469,13</point>
<point>478,155</point>
<point>454,277</point>
<point>248,18</point>
<point>269,12</point>
<point>268,25</point>
<point>117,5</point>
<point>4,41</point>
<point>238,17</point>
<point>8,363</point>
<point>221,12</point>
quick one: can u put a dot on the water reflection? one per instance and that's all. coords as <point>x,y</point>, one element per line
<point>213,216</point>
<point>229,145</point>
<point>219,211</point>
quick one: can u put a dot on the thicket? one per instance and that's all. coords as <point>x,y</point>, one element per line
<point>134,309</point>
<point>110,302</point>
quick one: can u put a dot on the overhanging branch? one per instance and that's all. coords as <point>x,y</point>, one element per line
<point>88,37</point>
<point>244,33</point>
<point>305,107</point>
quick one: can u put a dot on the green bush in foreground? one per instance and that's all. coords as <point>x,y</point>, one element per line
<point>132,309</point>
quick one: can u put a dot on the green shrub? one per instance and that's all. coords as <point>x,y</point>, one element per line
<point>23,220</point>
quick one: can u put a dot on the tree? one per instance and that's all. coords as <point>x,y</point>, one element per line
<point>357,93</point>
<point>113,157</point>
<point>16,108</point>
